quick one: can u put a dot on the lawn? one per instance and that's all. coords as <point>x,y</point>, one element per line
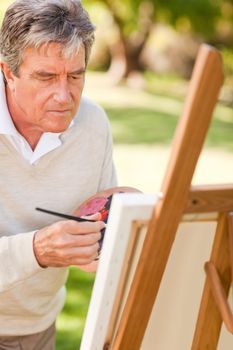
<point>150,116</point>
<point>71,321</point>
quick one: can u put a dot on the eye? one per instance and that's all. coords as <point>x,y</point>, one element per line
<point>47,77</point>
<point>44,77</point>
<point>76,76</point>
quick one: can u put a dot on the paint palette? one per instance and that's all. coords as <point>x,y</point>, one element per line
<point>101,203</point>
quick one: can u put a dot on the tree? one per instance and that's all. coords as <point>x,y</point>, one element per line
<point>134,20</point>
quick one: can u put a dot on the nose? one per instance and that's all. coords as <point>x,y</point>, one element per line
<point>62,93</point>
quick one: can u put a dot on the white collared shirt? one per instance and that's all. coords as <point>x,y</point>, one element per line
<point>48,141</point>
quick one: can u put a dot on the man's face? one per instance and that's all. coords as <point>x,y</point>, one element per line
<point>46,94</point>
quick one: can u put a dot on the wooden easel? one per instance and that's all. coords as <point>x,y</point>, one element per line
<point>180,198</point>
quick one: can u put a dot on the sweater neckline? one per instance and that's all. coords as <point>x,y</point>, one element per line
<point>40,164</point>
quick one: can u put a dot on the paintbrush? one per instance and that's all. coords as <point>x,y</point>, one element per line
<point>65,216</point>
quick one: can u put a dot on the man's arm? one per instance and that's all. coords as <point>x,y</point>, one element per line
<point>61,244</point>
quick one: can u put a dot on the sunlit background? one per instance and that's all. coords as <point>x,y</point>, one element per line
<point>139,72</point>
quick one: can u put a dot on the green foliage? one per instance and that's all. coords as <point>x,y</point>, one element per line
<point>208,21</point>
<point>202,15</point>
<point>197,16</point>
<point>228,61</point>
<point>126,13</point>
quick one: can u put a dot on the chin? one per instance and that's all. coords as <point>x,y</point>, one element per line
<point>57,126</point>
<point>56,129</point>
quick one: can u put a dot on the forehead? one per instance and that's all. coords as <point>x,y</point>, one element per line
<point>52,56</point>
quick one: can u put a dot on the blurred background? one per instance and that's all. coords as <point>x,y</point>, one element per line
<point>139,72</point>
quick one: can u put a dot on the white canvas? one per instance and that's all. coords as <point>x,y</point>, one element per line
<point>124,209</point>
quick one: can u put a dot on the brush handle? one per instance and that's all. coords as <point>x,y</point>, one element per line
<point>65,216</point>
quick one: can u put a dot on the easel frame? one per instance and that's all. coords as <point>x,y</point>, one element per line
<point>179,199</point>
<point>205,85</point>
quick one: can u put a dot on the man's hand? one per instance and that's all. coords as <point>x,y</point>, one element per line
<point>68,243</point>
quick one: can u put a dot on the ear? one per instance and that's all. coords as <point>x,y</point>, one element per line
<point>9,76</point>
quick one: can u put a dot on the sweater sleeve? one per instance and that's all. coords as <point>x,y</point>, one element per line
<point>17,259</point>
<point>108,177</point>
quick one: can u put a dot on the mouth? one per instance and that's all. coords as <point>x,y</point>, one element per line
<point>59,111</point>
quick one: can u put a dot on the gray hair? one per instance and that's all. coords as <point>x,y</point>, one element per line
<point>31,23</point>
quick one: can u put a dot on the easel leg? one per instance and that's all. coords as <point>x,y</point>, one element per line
<point>209,321</point>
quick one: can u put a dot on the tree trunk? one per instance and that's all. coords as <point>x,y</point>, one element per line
<point>125,59</point>
<point>126,52</point>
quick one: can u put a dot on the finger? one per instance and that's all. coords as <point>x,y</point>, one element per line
<point>74,227</point>
<point>70,256</point>
<point>95,217</point>
<point>68,240</point>
<point>80,255</point>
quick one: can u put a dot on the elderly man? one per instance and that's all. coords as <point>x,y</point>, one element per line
<point>55,152</point>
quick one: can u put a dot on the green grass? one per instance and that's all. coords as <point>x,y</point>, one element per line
<point>150,126</point>
<point>221,128</point>
<point>150,116</point>
<point>138,125</point>
<point>71,321</point>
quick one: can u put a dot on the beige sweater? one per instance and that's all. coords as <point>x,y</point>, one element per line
<point>31,297</point>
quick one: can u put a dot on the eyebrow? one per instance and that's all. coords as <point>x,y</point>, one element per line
<point>47,73</point>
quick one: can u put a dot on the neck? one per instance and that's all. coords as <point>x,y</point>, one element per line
<point>31,133</point>
<point>32,136</point>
